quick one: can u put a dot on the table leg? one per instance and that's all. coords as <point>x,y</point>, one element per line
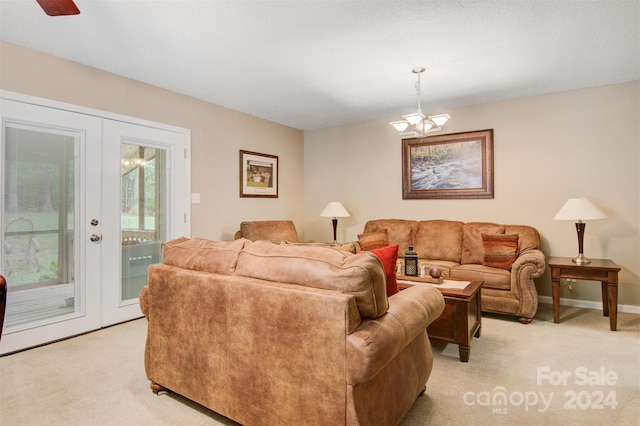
<point>555,290</point>
<point>613,306</point>
<point>605,299</point>
<point>464,351</point>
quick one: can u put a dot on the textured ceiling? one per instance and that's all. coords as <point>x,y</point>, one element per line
<point>314,64</point>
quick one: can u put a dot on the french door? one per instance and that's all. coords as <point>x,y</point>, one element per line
<point>143,201</point>
<point>86,203</point>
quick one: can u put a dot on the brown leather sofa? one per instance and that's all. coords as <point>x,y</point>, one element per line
<point>462,250</point>
<point>286,334</point>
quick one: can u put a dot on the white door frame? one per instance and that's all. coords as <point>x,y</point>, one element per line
<point>181,215</point>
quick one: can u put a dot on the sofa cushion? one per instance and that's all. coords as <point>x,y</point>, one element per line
<point>373,240</point>
<point>399,231</point>
<point>529,238</point>
<point>218,257</point>
<point>352,247</point>
<point>444,265</point>
<point>500,251</point>
<point>388,256</point>
<point>495,278</point>
<point>440,240</point>
<point>359,274</point>
<point>472,249</point>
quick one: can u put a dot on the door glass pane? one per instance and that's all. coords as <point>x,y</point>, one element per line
<point>38,222</point>
<point>143,213</point>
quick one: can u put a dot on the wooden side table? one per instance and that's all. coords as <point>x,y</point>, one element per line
<point>603,270</point>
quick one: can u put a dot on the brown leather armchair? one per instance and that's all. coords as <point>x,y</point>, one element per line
<point>275,231</point>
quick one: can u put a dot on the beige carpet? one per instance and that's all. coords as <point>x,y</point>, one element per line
<point>98,378</point>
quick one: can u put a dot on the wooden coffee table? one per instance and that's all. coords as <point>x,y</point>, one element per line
<point>461,318</point>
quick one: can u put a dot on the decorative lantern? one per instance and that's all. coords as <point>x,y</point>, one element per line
<point>411,262</point>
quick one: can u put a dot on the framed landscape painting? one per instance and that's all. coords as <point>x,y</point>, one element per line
<point>458,165</point>
<point>258,175</point>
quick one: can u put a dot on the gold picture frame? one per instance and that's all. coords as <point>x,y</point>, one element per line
<point>453,166</point>
<point>258,175</point>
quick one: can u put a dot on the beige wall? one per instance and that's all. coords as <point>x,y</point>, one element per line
<point>217,135</point>
<point>549,148</point>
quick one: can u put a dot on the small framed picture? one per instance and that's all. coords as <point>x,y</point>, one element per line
<point>258,175</point>
<point>453,166</point>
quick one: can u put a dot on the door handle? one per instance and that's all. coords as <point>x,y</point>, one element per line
<point>96,238</point>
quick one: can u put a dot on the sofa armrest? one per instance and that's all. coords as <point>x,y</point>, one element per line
<point>407,304</point>
<point>533,260</point>
<point>376,342</point>
<point>529,265</point>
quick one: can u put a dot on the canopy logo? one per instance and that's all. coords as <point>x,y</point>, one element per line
<point>594,392</point>
<point>499,399</point>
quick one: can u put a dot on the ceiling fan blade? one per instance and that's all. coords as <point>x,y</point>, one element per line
<point>59,7</point>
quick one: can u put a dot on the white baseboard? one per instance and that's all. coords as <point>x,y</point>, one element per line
<point>632,309</point>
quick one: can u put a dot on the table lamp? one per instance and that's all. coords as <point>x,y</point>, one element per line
<point>580,209</point>
<point>335,209</point>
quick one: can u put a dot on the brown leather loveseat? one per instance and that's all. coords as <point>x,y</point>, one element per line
<point>286,334</point>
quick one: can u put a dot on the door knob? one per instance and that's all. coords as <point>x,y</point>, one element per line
<point>96,238</point>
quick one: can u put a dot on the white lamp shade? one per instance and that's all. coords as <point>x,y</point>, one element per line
<point>335,209</point>
<point>426,125</point>
<point>440,120</point>
<point>579,209</point>
<point>414,118</point>
<point>400,126</point>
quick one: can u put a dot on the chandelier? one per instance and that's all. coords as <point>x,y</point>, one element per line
<point>417,124</point>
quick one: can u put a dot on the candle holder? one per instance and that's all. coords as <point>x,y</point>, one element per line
<point>411,262</point>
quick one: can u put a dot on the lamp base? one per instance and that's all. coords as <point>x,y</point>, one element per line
<point>581,260</point>
<point>334,221</point>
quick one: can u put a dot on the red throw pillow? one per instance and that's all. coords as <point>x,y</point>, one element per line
<point>388,256</point>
